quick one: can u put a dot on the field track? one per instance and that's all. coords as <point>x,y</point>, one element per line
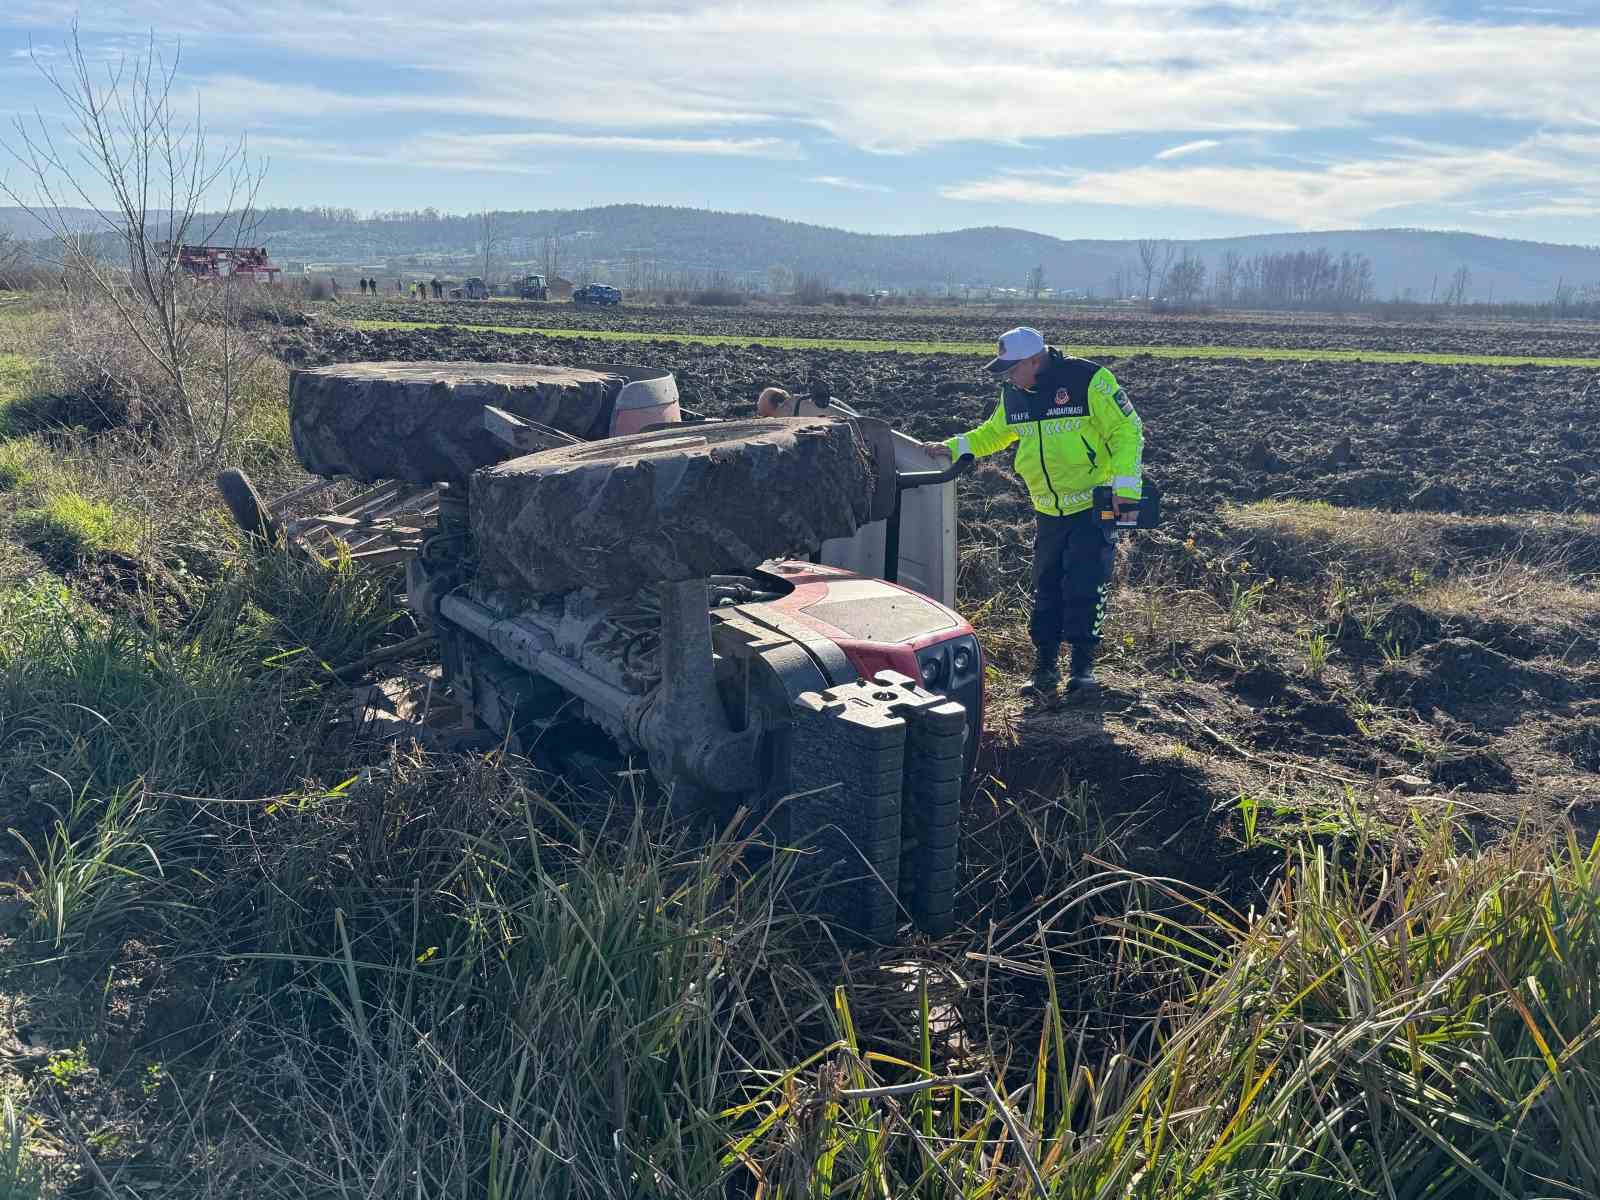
<point>866,346</point>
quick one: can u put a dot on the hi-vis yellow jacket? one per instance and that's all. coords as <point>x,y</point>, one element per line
<point>1074,431</point>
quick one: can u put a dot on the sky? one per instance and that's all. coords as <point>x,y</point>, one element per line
<point>1141,118</point>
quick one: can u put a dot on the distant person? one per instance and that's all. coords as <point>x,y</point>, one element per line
<point>333,282</point>
<point>438,290</point>
<point>777,402</point>
<point>1075,429</point>
<point>363,282</point>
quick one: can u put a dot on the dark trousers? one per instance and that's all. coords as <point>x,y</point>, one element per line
<point>1072,561</point>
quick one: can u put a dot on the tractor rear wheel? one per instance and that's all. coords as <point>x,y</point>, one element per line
<point>678,503</point>
<point>423,421</point>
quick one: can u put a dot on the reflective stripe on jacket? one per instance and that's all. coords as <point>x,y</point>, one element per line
<point>1074,431</point>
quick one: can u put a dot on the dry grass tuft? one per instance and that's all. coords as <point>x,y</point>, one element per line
<point>1298,539</point>
<point>1515,591</point>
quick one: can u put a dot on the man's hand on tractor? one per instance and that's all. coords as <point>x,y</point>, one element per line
<point>936,450</point>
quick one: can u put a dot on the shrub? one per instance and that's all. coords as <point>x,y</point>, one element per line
<point>720,297</point>
<point>70,525</point>
<point>96,377</point>
<point>810,289</point>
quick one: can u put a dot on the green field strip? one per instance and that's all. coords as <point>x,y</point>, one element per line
<point>975,349</point>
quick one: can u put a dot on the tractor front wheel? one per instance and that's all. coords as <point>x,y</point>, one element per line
<point>244,502</point>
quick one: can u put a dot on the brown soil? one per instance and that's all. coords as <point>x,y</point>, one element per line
<point>1082,326</point>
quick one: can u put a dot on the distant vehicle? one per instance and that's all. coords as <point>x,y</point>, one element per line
<point>474,288</point>
<point>533,287</point>
<point>596,293</point>
<point>248,263</point>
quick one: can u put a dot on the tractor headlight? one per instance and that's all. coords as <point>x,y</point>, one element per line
<point>932,670</point>
<point>962,660</point>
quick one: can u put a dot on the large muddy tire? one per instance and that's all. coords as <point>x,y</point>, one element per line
<point>244,502</point>
<point>675,504</point>
<point>423,422</point>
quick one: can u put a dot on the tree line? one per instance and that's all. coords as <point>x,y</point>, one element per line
<point>1308,279</point>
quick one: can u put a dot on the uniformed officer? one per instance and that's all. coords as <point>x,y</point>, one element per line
<point>1075,429</point>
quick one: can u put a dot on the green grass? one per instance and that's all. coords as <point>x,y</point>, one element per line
<point>1386,1027</point>
<point>15,370</point>
<point>18,463</point>
<point>72,525</point>
<point>977,349</point>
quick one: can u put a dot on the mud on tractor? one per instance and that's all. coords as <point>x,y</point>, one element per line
<point>759,609</point>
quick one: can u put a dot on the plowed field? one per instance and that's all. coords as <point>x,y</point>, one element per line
<point>1079,326</point>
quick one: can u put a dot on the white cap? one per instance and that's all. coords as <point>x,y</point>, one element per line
<point>1016,345</point>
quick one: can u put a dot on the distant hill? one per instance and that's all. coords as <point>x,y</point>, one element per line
<point>625,243</point>
<point>24,227</point>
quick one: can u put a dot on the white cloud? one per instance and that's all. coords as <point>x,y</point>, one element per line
<point>851,185</point>
<point>517,86</point>
<point>1189,148</point>
<point>507,153</point>
<point>1340,194</point>
<point>892,78</point>
<point>489,144</point>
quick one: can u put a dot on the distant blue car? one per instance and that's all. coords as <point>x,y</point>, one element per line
<point>596,293</point>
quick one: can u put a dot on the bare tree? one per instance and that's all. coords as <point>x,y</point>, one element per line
<point>126,140</point>
<point>1036,281</point>
<point>1227,277</point>
<point>550,257</point>
<point>490,238</point>
<point>1456,294</point>
<point>12,255</point>
<point>1185,280</point>
<point>1149,256</point>
<point>1168,253</point>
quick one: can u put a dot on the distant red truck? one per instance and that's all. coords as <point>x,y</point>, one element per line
<point>249,263</point>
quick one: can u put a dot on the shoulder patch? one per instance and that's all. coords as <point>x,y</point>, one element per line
<point>1124,403</point>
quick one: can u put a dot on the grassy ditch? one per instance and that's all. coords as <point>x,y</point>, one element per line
<point>986,349</point>
<point>253,962</point>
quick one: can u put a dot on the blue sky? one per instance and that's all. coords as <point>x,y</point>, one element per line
<point>1140,118</point>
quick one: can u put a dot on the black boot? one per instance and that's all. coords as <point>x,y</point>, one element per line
<point>1083,685</point>
<point>1046,672</point>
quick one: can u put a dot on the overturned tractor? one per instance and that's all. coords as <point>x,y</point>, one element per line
<point>758,609</point>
